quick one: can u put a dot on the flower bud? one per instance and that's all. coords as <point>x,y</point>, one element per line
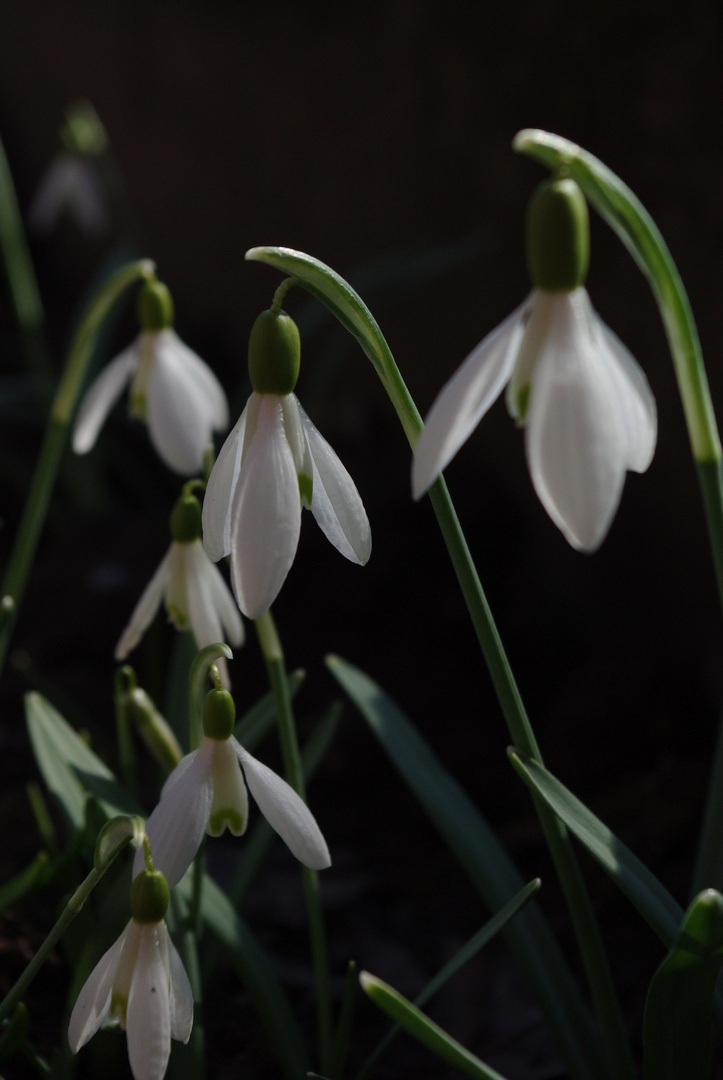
<point>558,236</point>
<point>149,896</point>
<point>185,520</point>
<point>219,715</point>
<point>274,353</point>
<point>154,307</point>
<point>140,711</point>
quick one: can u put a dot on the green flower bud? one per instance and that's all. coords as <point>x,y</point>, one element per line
<point>185,520</point>
<point>149,896</point>
<point>154,307</point>
<point>139,710</point>
<point>274,353</point>
<point>558,236</point>
<point>219,715</point>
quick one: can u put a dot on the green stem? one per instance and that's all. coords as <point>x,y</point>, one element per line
<point>56,433</point>
<point>276,669</point>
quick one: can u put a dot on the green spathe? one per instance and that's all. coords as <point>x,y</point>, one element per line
<point>155,307</point>
<point>185,520</point>
<point>274,353</point>
<point>149,897</point>
<point>558,236</point>
<point>219,715</point>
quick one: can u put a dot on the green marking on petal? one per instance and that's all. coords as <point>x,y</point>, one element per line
<point>178,618</point>
<point>118,1007</point>
<point>522,400</point>
<point>225,817</point>
<point>138,406</point>
<point>306,489</point>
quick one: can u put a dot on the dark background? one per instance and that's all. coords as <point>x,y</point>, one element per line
<point>377,137</point>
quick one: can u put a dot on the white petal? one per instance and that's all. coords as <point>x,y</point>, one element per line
<point>265,515</point>
<point>464,400</point>
<point>101,397</point>
<point>145,610</point>
<point>176,598</point>
<point>179,420</point>
<point>336,503</point>
<point>230,808</point>
<point>576,446</point>
<point>181,997</point>
<point>210,396</point>
<point>295,433</point>
<point>91,1007</point>
<point>211,608</point>
<point>636,404</point>
<point>216,517</point>
<point>149,1010</point>
<point>285,811</point>
<point>176,826</point>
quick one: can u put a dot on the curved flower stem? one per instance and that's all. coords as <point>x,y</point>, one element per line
<point>200,671</point>
<point>324,283</point>
<point>629,219</point>
<point>276,669</point>
<point>56,433</point>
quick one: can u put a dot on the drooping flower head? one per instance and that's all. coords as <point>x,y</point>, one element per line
<point>194,592</point>
<point>171,389</point>
<point>273,463</point>
<point>206,793</point>
<point>588,412</point>
<point>141,982</point>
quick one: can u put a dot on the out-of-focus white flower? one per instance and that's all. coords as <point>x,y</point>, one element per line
<point>588,412</point>
<point>206,793</point>
<point>272,464</point>
<point>71,185</point>
<point>194,592</point>
<point>171,389</point>
<point>141,982</point>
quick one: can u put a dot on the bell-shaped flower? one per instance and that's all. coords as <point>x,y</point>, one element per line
<point>71,185</point>
<point>207,792</point>
<point>141,982</point>
<point>588,412</point>
<point>195,594</point>
<point>171,389</point>
<point>272,464</point>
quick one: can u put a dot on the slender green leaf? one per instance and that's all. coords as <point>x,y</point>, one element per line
<point>678,1024</point>
<point>263,987</point>
<point>457,962</point>
<point>261,717</point>
<point>486,862</point>
<point>69,767</point>
<point>650,897</point>
<point>18,887</point>
<point>423,1029</point>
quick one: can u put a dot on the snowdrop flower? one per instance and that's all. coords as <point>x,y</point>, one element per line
<point>141,982</point>
<point>273,463</point>
<point>170,387</point>
<point>70,185</point>
<point>588,412</point>
<point>192,588</point>
<point>206,793</point>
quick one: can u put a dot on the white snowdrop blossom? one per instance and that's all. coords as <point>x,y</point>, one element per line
<point>171,389</point>
<point>195,594</point>
<point>272,464</point>
<point>207,792</point>
<point>72,185</point>
<point>141,982</point>
<point>588,412</point>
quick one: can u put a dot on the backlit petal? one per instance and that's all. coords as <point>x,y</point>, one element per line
<point>101,397</point>
<point>145,610</point>
<point>576,446</point>
<point>93,1002</point>
<point>149,1011</point>
<point>211,608</point>
<point>285,811</point>
<point>265,515</point>
<point>181,996</point>
<point>635,401</point>
<point>464,400</point>
<point>176,826</point>
<point>216,518</point>
<point>336,503</point>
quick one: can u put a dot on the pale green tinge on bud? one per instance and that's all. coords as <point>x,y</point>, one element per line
<point>149,896</point>
<point>558,236</point>
<point>154,307</point>
<point>185,520</point>
<point>274,353</point>
<point>153,728</point>
<point>219,715</point>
